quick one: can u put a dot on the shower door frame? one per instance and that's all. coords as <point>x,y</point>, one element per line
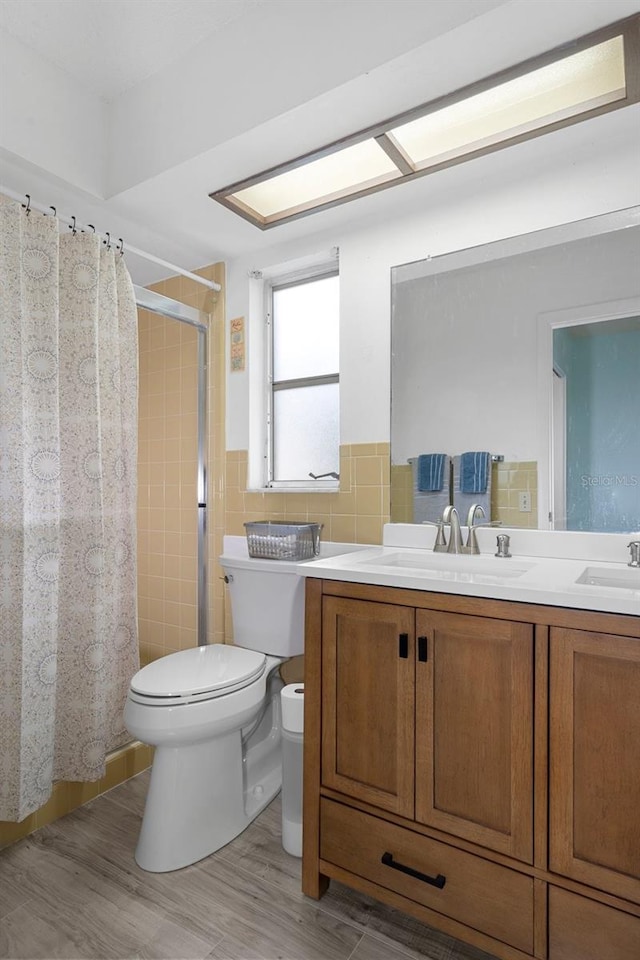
<point>166,307</point>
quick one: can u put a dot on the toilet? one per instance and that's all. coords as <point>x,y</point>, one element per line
<point>213,715</point>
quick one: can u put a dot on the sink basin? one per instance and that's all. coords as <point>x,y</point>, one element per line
<point>618,579</point>
<point>454,567</point>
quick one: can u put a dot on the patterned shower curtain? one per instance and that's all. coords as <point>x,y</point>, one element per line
<point>68,422</point>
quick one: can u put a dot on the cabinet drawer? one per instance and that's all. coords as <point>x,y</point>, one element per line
<point>581,929</point>
<point>487,897</point>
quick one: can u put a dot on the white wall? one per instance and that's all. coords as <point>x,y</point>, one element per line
<point>579,172</point>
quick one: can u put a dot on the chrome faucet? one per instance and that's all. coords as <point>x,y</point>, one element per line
<point>634,547</point>
<point>450,516</point>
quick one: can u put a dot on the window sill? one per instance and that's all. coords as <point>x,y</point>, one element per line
<point>301,488</point>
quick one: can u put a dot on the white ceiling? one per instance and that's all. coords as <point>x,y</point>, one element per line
<point>128,113</point>
<point>111,46</point>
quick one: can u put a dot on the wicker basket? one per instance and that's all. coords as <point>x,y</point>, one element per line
<point>282,540</point>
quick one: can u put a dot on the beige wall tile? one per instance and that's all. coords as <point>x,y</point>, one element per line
<point>364,450</point>
<point>343,528</point>
<point>368,471</point>
<point>368,529</point>
<point>369,501</point>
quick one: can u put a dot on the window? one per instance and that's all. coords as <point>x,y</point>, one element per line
<point>303,381</point>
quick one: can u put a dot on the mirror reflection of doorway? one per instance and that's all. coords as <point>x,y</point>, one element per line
<point>596,377</point>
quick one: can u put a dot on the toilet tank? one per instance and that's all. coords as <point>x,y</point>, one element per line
<point>267,604</point>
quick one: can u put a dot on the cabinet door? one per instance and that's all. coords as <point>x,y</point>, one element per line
<point>595,760</point>
<point>474,730</point>
<point>581,929</point>
<point>368,702</point>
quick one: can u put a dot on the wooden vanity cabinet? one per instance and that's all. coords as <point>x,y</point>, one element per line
<point>594,815</point>
<point>368,726</point>
<point>476,763</point>
<point>474,730</point>
<point>429,716</point>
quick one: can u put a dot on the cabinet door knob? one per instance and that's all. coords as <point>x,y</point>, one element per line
<point>388,861</point>
<point>403,645</point>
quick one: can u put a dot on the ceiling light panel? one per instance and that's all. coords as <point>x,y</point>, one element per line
<point>559,90</point>
<point>335,176</point>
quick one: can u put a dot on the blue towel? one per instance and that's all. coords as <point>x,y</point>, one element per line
<point>474,471</point>
<point>430,472</point>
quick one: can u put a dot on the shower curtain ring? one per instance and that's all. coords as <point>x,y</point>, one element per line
<point>72,227</point>
<point>27,206</point>
<point>121,247</point>
<point>107,242</point>
<point>55,212</point>
<point>92,227</point>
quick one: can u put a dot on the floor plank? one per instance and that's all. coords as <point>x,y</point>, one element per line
<point>73,890</point>
<point>13,893</point>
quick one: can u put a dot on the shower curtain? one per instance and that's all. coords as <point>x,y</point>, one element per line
<point>68,422</point>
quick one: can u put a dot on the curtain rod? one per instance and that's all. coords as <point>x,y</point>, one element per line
<point>20,197</point>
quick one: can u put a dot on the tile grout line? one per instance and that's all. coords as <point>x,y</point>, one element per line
<point>356,947</point>
<point>18,907</point>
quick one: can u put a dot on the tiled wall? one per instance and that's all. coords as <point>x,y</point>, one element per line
<point>402,493</point>
<point>167,486</point>
<point>355,514</point>
<point>508,480</point>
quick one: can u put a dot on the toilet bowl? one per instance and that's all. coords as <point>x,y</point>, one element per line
<point>213,715</point>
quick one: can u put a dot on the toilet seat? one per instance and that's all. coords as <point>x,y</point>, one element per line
<point>200,673</point>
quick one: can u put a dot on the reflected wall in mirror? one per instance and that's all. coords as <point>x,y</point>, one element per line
<point>472,370</point>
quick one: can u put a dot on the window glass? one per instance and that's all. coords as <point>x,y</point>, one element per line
<point>306,432</point>
<point>305,329</point>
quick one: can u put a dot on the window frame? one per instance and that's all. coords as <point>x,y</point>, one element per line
<point>282,281</point>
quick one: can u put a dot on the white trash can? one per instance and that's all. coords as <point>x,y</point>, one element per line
<point>292,699</point>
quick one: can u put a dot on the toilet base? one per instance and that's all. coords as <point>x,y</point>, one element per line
<point>203,795</point>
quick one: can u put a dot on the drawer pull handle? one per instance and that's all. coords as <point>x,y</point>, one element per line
<point>422,649</point>
<point>403,645</point>
<point>439,881</point>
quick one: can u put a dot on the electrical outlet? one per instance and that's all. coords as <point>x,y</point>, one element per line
<point>524,501</point>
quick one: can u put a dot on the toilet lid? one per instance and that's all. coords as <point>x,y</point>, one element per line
<point>199,673</point>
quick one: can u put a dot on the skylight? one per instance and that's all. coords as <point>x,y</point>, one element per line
<point>581,80</point>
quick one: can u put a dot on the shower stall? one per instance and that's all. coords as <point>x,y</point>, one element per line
<point>172,476</point>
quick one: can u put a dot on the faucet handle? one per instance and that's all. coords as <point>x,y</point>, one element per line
<point>634,547</point>
<point>441,541</point>
<point>472,540</point>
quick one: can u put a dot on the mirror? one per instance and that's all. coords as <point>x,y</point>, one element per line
<point>473,369</point>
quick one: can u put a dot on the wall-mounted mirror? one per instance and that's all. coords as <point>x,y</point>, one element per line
<point>476,336</point>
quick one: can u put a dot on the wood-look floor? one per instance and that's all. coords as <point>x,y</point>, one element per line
<point>73,890</point>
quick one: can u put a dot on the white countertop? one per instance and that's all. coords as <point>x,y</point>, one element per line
<point>542,575</point>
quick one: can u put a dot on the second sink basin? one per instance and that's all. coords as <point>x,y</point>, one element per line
<point>618,579</point>
<point>442,566</point>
